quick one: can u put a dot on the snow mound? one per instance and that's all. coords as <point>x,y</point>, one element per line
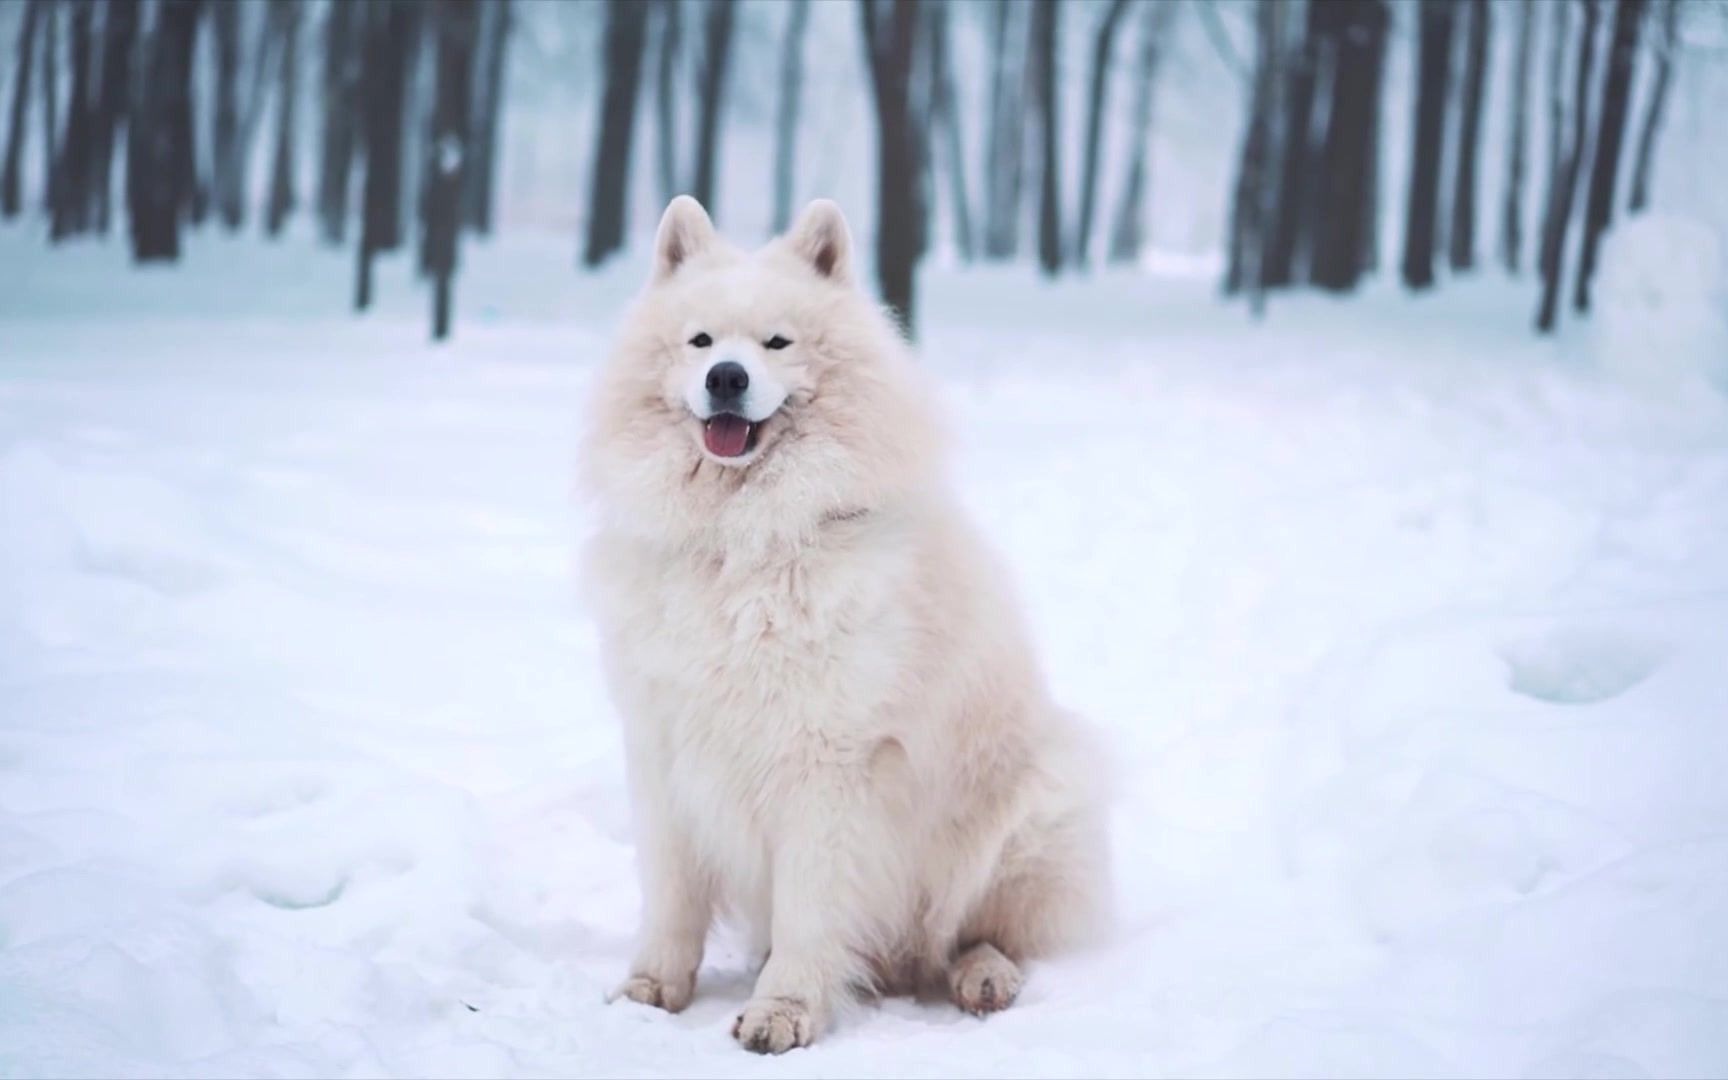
<point>1661,304</point>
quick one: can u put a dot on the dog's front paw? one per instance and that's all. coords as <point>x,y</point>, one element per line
<point>774,1025</point>
<point>647,990</point>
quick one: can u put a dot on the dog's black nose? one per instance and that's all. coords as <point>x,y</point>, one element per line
<point>727,382</point>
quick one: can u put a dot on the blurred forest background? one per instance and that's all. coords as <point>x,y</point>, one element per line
<point>1276,143</point>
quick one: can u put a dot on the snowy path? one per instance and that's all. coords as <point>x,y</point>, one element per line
<point>1409,634</point>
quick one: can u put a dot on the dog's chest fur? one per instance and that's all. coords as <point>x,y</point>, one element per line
<point>756,671</point>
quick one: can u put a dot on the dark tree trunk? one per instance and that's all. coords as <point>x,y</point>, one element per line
<point>666,99</point>
<point>119,38</point>
<point>72,199</point>
<point>1128,233</point>
<point>341,104</point>
<point>1563,184</point>
<point>1256,174</point>
<point>945,114</point>
<point>1103,43</point>
<point>1357,47</point>
<point>1667,46</point>
<point>711,98</point>
<point>11,195</point>
<point>487,118</point>
<point>159,152</point>
<point>786,117</point>
<point>282,200</point>
<point>1512,212</point>
<point>1559,34</point>
<point>889,40</point>
<point>390,32</point>
<point>1290,223</point>
<point>50,97</point>
<point>1469,127</point>
<point>1434,58</point>
<point>456,23</point>
<point>1610,136</point>
<point>1004,154</point>
<point>225,28</point>
<point>1043,33</point>
<point>1369,207</point>
<point>626,34</point>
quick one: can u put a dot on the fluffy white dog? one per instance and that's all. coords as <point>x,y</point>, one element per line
<point>836,729</point>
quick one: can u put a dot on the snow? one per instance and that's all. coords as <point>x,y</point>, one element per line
<point>1662,305</point>
<point>1406,627</point>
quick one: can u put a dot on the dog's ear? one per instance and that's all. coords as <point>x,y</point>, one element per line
<point>822,239</point>
<point>685,232</point>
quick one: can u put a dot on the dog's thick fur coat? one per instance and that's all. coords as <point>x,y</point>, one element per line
<point>835,727</point>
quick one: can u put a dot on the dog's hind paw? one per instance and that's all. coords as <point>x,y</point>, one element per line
<point>984,981</point>
<point>647,990</point>
<point>774,1025</point>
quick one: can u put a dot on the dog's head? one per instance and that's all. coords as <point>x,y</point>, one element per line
<point>755,393</point>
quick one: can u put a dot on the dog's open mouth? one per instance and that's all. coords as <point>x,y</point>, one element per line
<point>729,436</point>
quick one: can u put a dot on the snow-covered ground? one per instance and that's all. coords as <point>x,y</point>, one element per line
<point>1410,631</point>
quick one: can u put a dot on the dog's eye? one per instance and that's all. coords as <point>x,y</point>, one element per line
<point>701,341</point>
<point>776,342</point>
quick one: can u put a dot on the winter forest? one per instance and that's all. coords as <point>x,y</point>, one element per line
<point>1342,384</point>
<point>1000,130</point>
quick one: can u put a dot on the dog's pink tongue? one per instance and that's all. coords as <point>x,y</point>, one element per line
<point>726,435</point>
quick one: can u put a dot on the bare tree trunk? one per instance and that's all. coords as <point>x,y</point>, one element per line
<point>1512,212</point>
<point>50,97</point>
<point>1560,33</point>
<point>1257,173</point>
<point>1668,45</point>
<point>231,166</point>
<point>341,103</point>
<point>1470,125</point>
<point>1434,57</point>
<point>72,200</point>
<point>1666,52</point>
<point>1290,226</point>
<point>626,36</point>
<point>1610,136</point>
<point>711,98</point>
<point>1103,42</point>
<point>282,199</point>
<point>1563,183</point>
<point>1369,207</point>
<point>455,23</point>
<point>1004,154</point>
<point>486,119</point>
<point>390,31</point>
<point>666,99</point>
<point>786,118</point>
<point>225,29</point>
<point>945,114</point>
<point>1356,46</point>
<point>889,40</point>
<point>920,96</point>
<point>1128,233</point>
<point>159,174</point>
<point>1046,18</point>
<point>11,197</point>
<point>119,39</point>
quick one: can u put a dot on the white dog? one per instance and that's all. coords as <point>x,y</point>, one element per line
<point>836,729</point>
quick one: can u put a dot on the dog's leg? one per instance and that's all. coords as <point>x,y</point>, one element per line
<point>1053,897</point>
<point>839,887</point>
<point>677,907</point>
